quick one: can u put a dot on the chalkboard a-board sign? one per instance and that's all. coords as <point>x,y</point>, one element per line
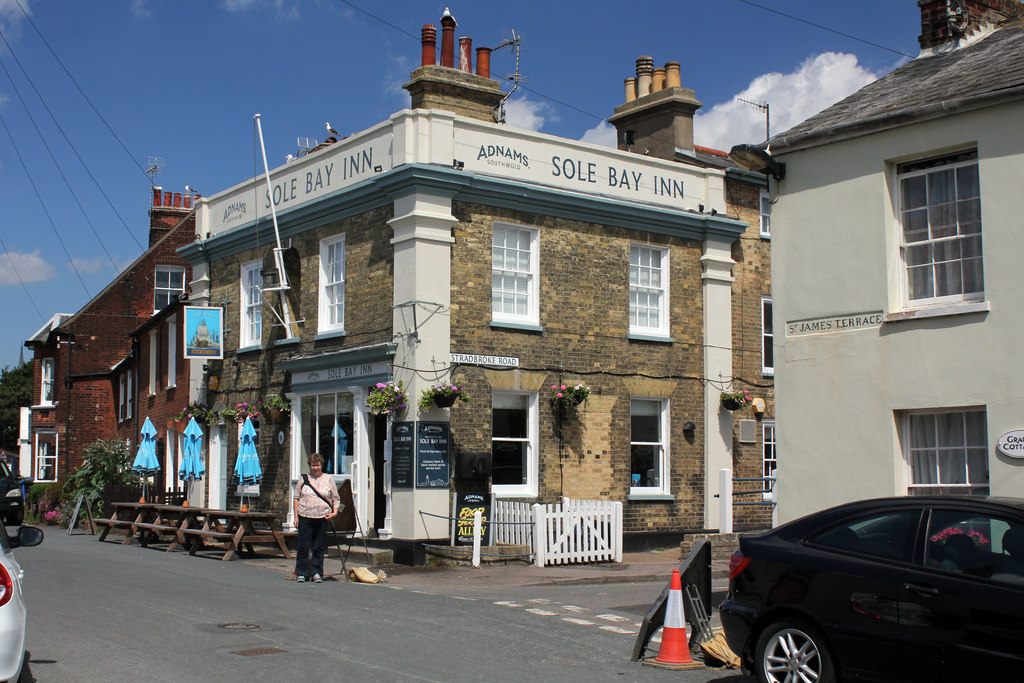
<point>462,528</point>
<point>432,469</point>
<point>403,447</point>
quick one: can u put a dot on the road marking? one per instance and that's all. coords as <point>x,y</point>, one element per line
<point>616,629</point>
<point>540,601</point>
<point>507,603</point>
<point>574,608</point>
<point>541,612</point>
<point>581,622</point>
<point>612,617</point>
<point>463,597</point>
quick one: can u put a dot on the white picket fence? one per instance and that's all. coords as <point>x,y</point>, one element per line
<point>569,532</point>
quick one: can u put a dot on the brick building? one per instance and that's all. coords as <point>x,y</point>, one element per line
<point>440,246</point>
<point>88,365</point>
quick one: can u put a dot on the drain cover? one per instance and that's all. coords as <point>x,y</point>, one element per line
<point>239,626</point>
<point>259,651</point>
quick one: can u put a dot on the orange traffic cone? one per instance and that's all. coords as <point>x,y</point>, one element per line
<point>675,648</point>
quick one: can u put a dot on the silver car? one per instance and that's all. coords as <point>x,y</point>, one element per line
<point>12,607</point>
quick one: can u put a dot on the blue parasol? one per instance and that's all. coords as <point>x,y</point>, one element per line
<point>146,463</point>
<point>247,465</point>
<point>192,467</point>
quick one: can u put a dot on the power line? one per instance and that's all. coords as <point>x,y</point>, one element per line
<point>43,204</point>
<point>49,151</point>
<point>86,97</point>
<point>20,280</point>
<point>825,28</point>
<point>68,140</point>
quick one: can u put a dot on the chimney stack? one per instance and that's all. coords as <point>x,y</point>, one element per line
<point>658,112</point>
<point>166,212</point>
<point>450,86</point>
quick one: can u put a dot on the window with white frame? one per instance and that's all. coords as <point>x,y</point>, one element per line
<point>172,349</point>
<point>46,457</point>
<point>767,337</point>
<point>648,446</point>
<point>765,214</point>
<point>153,353</point>
<point>46,383</point>
<point>769,461</point>
<point>251,309</point>
<point>940,229</point>
<point>514,437</point>
<point>648,290</point>
<point>125,396</point>
<point>946,452</point>
<point>514,274</point>
<point>332,284</point>
<point>168,284</point>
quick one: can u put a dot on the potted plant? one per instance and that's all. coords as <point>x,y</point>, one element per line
<point>736,400</point>
<point>240,411</point>
<point>386,398</point>
<point>275,406</point>
<point>201,413</point>
<point>443,395</point>
<point>564,396</point>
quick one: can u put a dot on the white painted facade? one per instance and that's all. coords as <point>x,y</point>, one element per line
<point>842,392</point>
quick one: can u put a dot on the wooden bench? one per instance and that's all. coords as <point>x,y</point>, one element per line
<point>110,524</point>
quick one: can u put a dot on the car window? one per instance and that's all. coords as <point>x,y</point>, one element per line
<point>976,544</point>
<point>889,535</point>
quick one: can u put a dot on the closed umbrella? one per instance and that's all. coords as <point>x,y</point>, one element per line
<point>247,465</point>
<point>192,467</point>
<point>146,464</point>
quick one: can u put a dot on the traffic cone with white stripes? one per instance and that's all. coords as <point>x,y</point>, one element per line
<point>675,648</point>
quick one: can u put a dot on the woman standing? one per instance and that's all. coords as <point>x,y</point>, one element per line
<point>316,502</point>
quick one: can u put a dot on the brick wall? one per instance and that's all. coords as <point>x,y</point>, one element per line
<point>368,286</point>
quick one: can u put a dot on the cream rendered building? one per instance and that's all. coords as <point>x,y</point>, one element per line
<point>896,273</point>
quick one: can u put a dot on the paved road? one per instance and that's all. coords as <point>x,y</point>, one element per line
<point>102,612</point>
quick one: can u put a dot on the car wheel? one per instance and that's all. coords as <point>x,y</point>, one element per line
<point>792,652</point>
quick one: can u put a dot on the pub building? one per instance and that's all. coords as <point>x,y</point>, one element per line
<point>441,246</point>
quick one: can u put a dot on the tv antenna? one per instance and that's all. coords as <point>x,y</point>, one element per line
<point>763,106</point>
<point>305,145</point>
<point>515,42</point>
<point>154,168</point>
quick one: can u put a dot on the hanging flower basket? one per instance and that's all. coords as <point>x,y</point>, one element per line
<point>241,411</point>
<point>274,407</point>
<point>564,397</point>
<point>384,399</point>
<point>442,395</point>
<point>736,400</point>
<point>201,413</point>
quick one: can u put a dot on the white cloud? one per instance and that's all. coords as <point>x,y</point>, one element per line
<point>141,8</point>
<point>525,113</point>
<point>29,267</point>
<point>602,134</point>
<point>11,16</point>
<point>818,83</point>
<point>91,265</point>
<point>284,9</point>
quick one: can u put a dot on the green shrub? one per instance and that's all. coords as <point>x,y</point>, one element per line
<point>106,462</point>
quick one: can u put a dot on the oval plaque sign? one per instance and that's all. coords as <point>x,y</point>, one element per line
<point>1012,443</point>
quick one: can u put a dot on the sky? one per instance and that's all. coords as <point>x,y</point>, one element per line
<point>92,92</point>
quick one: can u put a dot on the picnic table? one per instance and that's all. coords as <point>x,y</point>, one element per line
<point>193,527</point>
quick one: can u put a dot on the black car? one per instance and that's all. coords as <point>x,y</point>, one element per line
<point>893,589</point>
<point>12,500</point>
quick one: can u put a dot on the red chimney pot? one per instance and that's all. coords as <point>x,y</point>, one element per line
<point>428,38</point>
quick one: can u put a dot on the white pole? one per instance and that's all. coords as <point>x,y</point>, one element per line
<point>725,500</point>
<point>477,532</point>
<point>282,277</point>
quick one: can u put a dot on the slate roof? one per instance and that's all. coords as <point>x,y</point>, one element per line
<point>977,75</point>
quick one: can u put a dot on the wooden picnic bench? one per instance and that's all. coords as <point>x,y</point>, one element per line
<point>232,530</point>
